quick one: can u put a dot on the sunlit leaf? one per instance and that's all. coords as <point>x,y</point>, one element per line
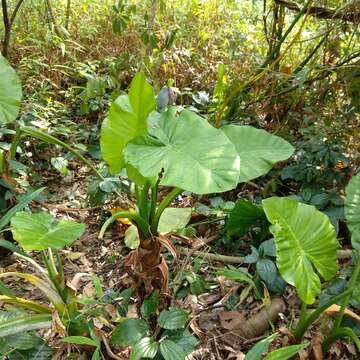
<point>352,210</point>
<point>194,155</point>
<point>126,120</point>
<point>39,231</point>
<point>258,150</point>
<point>305,241</point>
<point>286,352</point>
<point>10,92</point>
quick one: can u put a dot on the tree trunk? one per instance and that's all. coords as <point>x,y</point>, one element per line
<point>8,22</point>
<point>6,40</point>
<point>52,18</point>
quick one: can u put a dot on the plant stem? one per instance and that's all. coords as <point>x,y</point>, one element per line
<point>346,300</point>
<point>162,206</point>
<point>52,274</point>
<point>210,221</point>
<point>306,322</point>
<point>143,204</point>
<point>142,225</point>
<point>154,196</point>
<point>338,334</point>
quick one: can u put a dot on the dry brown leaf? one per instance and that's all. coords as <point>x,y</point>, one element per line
<point>57,326</point>
<point>336,308</point>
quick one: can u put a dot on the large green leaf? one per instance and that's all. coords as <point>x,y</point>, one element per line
<point>258,150</point>
<point>244,215</point>
<point>194,155</point>
<point>173,219</point>
<point>173,319</point>
<point>145,348</point>
<point>352,210</point>
<point>10,92</point>
<point>19,206</point>
<point>305,241</point>
<point>126,120</point>
<point>39,231</point>
<point>129,332</point>
<point>21,323</point>
<point>171,351</point>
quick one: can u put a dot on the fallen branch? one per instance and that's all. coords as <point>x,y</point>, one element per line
<point>350,13</point>
<point>341,255</point>
<point>210,256</point>
<point>255,325</point>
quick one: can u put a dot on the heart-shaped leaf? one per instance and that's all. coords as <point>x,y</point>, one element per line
<point>174,218</point>
<point>305,241</point>
<point>39,231</point>
<point>171,219</point>
<point>150,304</point>
<point>173,319</point>
<point>194,155</point>
<point>352,210</point>
<point>258,150</point>
<point>244,215</point>
<point>10,92</point>
<point>145,348</point>
<point>126,120</point>
<point>129,332</point>
<point>171,351</point>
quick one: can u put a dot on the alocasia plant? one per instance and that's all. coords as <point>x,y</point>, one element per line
<point>41,232</point>
<point>306,247</point>
<point>10,92</point>
<point>178,149</point>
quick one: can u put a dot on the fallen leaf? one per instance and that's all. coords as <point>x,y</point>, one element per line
<point>336,308</point>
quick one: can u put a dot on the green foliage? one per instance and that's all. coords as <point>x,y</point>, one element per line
<point>129,332</point>
<point>261,347</point>
<point>173,319</point>
<point>144,348</point>
<point>126,121</point>
<point>150,305</point>
<point>352,210</point>
<point>18,324</point>
<point>39,231</point>
<point>286,352</point>
<point>10,92</point>
<point>174,219</point>
<point>193,155</point>
<point>23,345</point>
<point>305,240</point>
<point>243,216</point>
<point>171,351</point>
<point>22,203</point>
<point>258,150</point>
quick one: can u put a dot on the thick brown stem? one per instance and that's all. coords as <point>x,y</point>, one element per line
<point>148,268</point>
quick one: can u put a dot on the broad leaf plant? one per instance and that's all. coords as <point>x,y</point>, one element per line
<point>178,149</point>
